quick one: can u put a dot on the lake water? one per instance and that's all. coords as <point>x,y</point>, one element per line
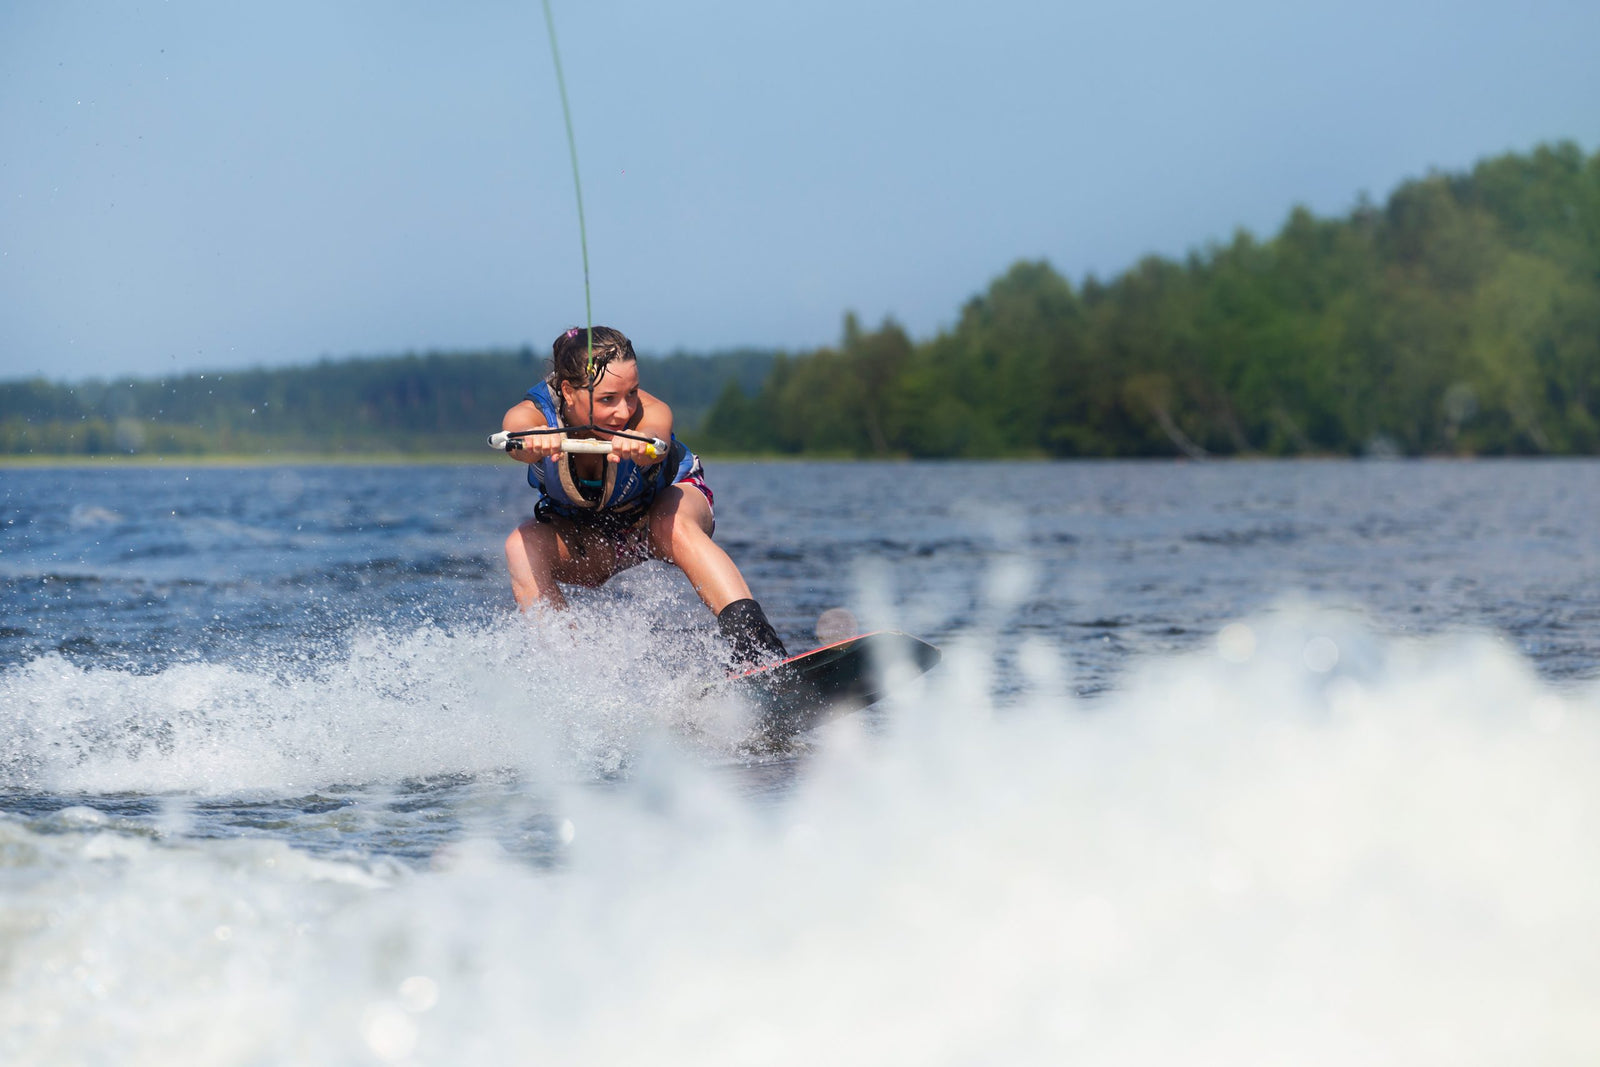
<point>1244,763</point>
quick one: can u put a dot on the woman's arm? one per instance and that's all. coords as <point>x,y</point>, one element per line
<point>655,417</point>
<point>527,416</point>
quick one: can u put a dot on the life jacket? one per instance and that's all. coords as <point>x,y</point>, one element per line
<point>627,491</point>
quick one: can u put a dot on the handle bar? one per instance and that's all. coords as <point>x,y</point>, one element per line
<point>504,442</point>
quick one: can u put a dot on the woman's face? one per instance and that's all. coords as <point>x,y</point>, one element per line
<point>616,397</point>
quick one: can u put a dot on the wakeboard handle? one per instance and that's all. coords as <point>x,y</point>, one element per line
<point>511,441</point>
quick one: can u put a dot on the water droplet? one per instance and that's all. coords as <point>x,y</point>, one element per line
<point>1320,654</point>
<point>1236,643</point>
<point>388,1033</point>
<point>419,993</point>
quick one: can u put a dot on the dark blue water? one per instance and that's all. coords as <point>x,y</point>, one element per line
<point>143,567</point>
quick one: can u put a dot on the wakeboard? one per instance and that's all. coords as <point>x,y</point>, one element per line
<point>796,694</point>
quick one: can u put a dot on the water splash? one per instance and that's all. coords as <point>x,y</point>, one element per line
<point>1247,855</point>
<point>559,695</point>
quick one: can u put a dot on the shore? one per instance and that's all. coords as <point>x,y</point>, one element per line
<point>349,459</point>
<point>255,459</point>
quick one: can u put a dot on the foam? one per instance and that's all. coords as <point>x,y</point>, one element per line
<point>1241,857</point>
<point>554,694</point>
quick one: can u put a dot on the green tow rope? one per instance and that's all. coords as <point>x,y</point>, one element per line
<point>572,147</point>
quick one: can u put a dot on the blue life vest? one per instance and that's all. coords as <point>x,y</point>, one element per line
<point>627,491</point>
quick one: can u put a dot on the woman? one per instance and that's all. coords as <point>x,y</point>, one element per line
<point>600,514</point>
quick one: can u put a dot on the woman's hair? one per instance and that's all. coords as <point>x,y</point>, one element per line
<point>572,361</point>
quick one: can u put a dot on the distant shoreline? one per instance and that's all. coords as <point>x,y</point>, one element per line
<point>474,459</point>
<point>332,459</point>
<point>284,459</point>
<point>341,459</point>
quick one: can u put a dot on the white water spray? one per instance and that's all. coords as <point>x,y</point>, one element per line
<point>1259,853</point>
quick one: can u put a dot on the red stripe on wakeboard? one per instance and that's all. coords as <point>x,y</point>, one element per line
<point>806,654</point>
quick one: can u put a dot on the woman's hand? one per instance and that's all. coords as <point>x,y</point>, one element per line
<point>642,453</point>
<point>537,446</point>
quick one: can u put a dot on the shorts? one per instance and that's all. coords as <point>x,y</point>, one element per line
<point>697,478</point>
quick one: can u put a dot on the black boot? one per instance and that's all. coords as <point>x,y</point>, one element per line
<point>753,640</point>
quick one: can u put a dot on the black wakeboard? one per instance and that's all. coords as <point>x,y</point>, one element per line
<point>793,695</point>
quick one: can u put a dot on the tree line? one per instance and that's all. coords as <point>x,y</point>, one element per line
<point>1462,316</point>
<point>434,403</point>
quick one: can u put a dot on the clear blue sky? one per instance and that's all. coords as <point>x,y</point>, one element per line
<point>192,185</point>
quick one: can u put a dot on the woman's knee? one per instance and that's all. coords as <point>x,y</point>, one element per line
<point>676,526</point>
<point>661,529</point>
<point>517,541</point>
<point>533,542</point>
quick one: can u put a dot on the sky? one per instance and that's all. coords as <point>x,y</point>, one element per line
<point>192,186</point>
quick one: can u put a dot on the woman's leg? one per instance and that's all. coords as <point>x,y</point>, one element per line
<point>680,533</point>
<point>540,554</point>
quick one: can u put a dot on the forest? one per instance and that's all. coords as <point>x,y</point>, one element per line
<point>1459,317</point>
<point>436,403</point>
